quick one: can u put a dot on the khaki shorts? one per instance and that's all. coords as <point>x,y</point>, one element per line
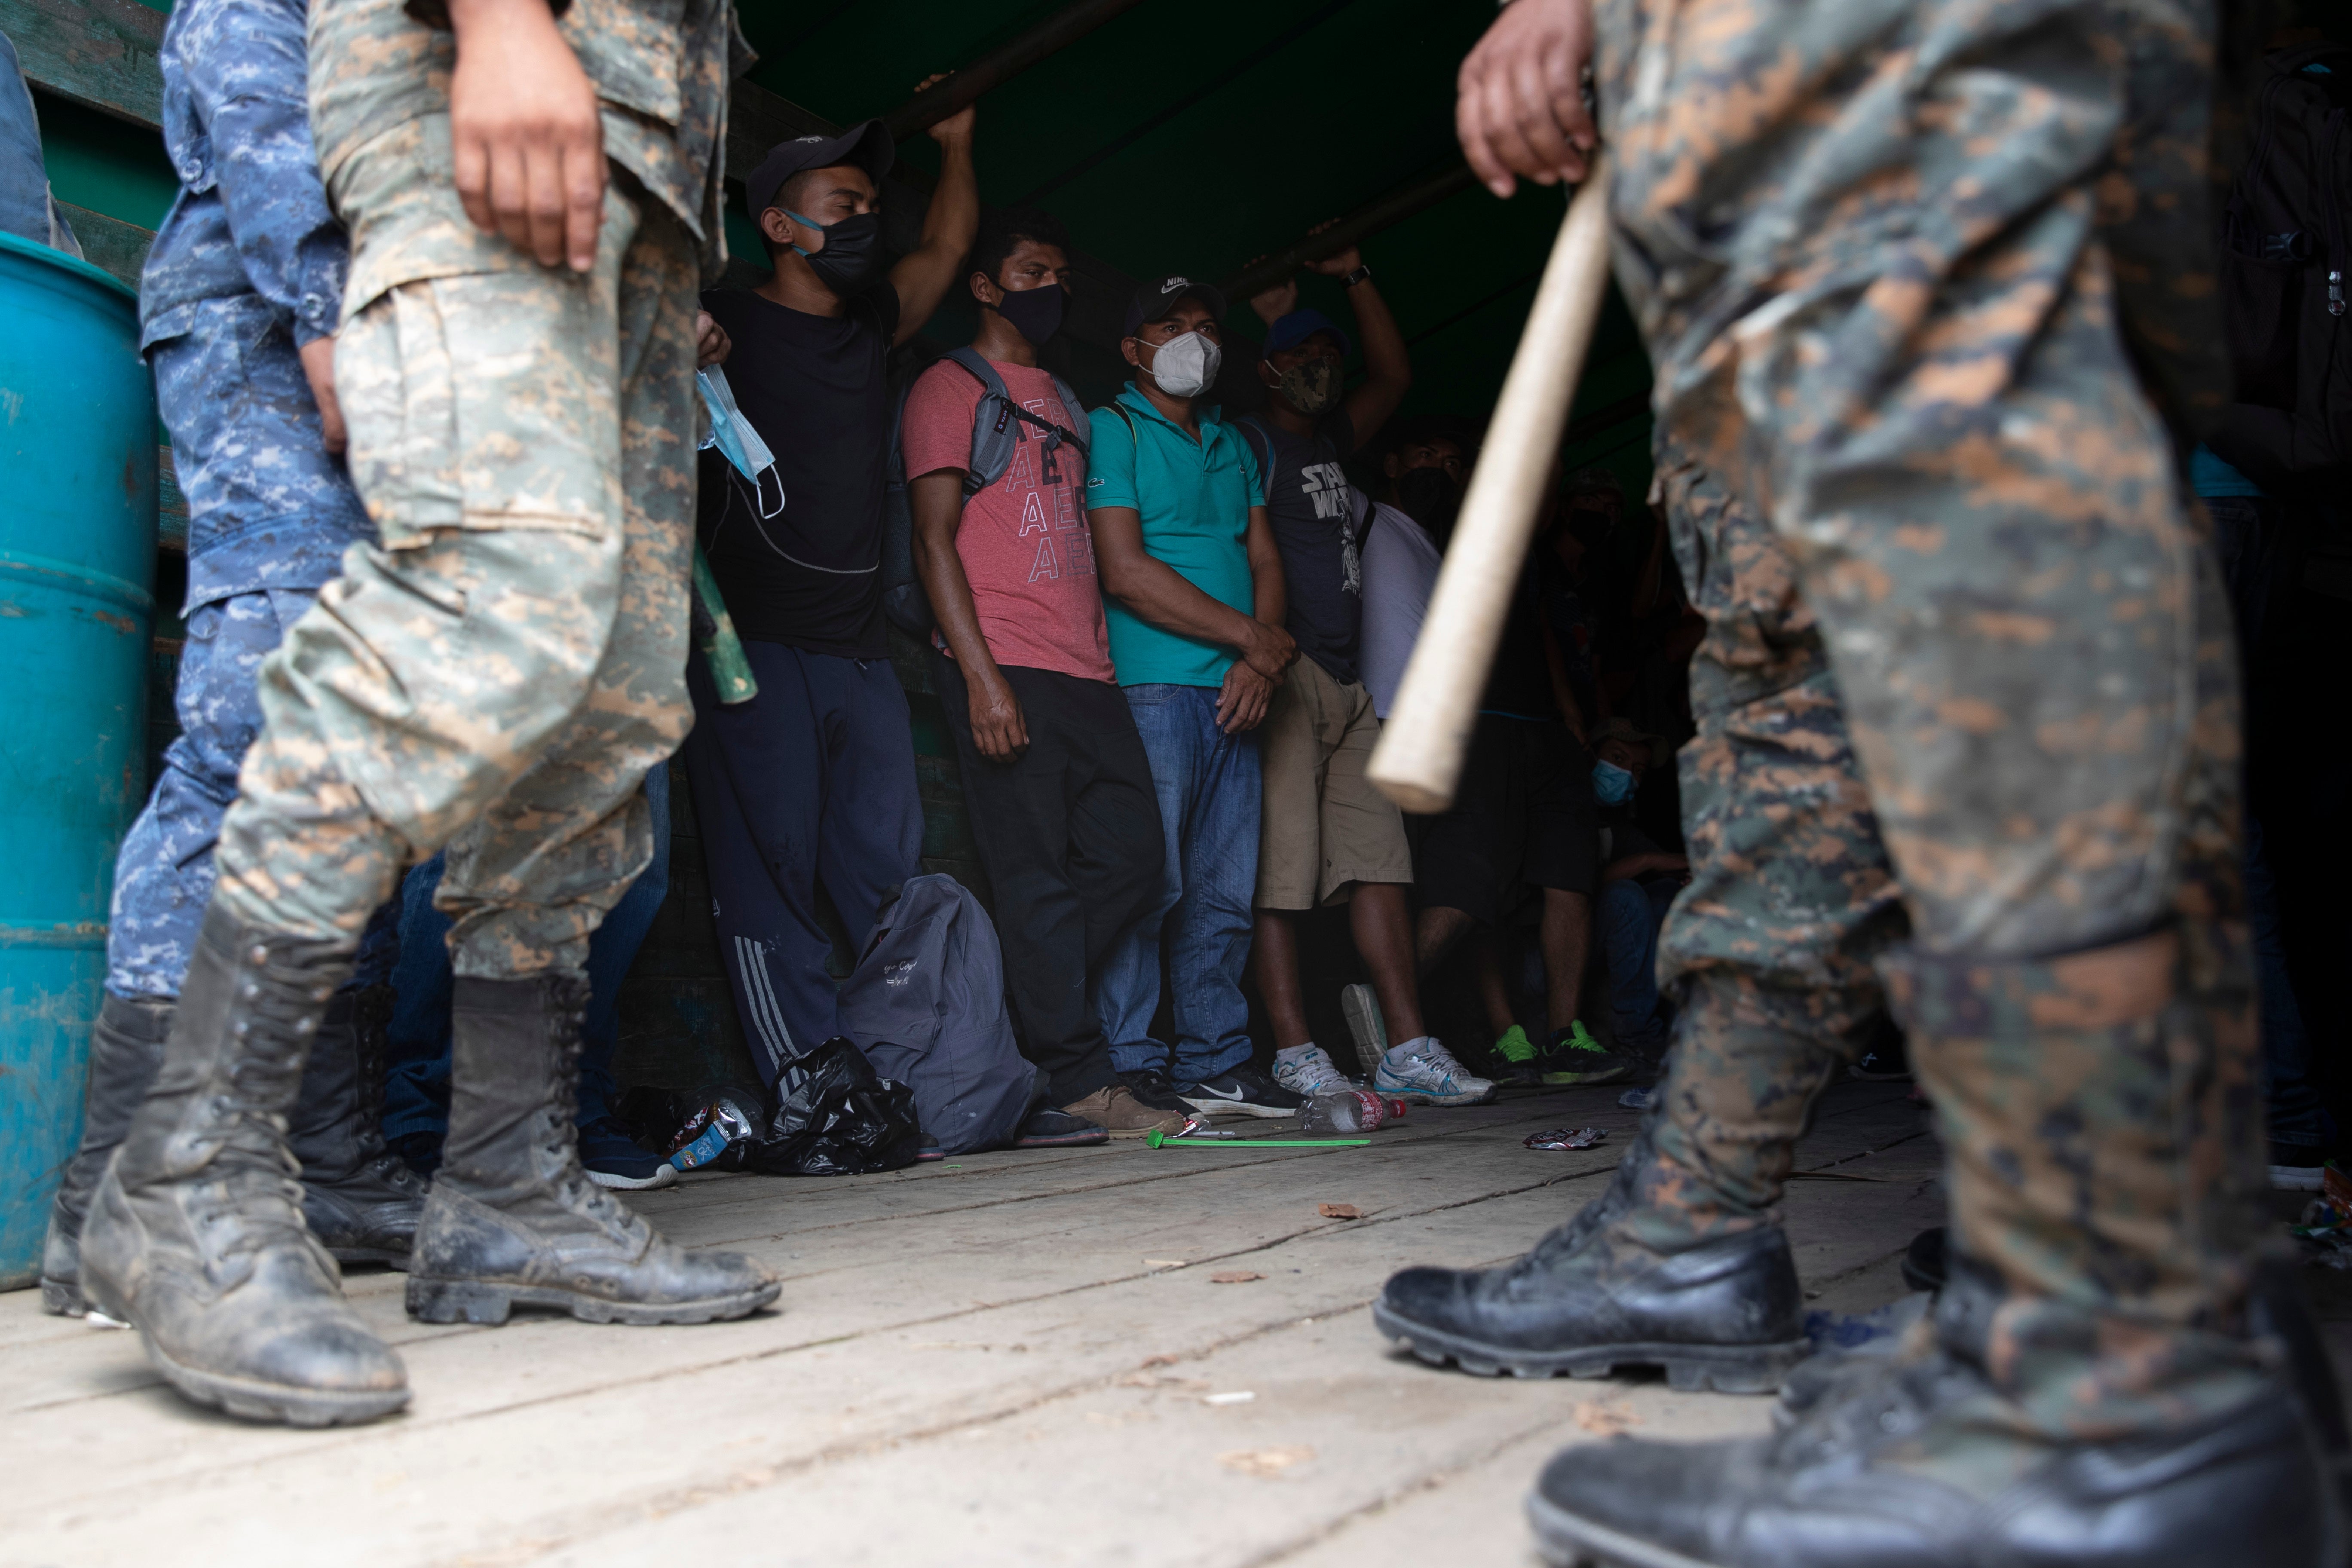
<point>1324,825</point>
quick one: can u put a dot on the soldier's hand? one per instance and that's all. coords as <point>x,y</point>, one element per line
<point>528,140</point>
<point>319,368</point>
<point>1520,103</point>
<point>712,343</point>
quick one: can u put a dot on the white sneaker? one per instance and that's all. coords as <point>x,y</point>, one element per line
<point>1360,1006</point>
<point>1309,1070</point>
<point>1429,1076</point>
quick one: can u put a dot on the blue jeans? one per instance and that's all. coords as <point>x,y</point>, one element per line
<point>416,1086</point>
<point>1630,914</point>
<point>1208,785</point>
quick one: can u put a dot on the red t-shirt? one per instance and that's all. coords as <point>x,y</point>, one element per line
<point>1024,540</point>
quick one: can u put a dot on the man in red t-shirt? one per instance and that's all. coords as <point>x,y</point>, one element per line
<point>1060,790</point>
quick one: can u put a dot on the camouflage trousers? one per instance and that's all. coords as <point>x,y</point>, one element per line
<point>499,674</point>
<point>1887,257</point>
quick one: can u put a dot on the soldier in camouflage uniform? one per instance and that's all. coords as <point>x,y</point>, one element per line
<point>243,284</point>
<point>533,201</point>
<point>1923,285</point>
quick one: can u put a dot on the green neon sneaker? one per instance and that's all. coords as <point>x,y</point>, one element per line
<point>1573,1056</point>
<point>1518,1055</point>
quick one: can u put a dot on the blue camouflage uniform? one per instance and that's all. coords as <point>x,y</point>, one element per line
<point>249,266</point>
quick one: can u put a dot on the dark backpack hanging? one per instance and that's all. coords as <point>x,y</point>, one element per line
<point>999,426</point>
<point>2286,249</point>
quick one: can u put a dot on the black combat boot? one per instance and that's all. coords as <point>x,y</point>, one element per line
<point>1722,1311</point>
<point>1904,1461</point>
<point>195,1235</point>
<point>125,1049</point>
<point>513,1217</point>
<point>358,1198</point>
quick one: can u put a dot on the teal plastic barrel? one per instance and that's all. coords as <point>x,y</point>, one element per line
<point>77,612</point>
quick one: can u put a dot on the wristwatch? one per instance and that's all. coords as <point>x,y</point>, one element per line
<point>1360,275</point>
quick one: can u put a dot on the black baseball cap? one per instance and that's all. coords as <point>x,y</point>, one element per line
<point>1157,298</point>
<point>867,147</point>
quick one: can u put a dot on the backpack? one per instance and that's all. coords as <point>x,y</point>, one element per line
<point>999,426</point>
<point>925,1005</point>
<point>2286,246</point>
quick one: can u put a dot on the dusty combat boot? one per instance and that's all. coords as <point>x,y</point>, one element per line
<point>195,1236</point>
<point>1716,1309</point>
<point>1681,1263</point>
<point>1921,1460</point>
<point>512,1217</point>
<point>358,1198</point>
<point>125,1049</point>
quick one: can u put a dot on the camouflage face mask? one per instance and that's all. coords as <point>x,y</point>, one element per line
<point>1313,386</point>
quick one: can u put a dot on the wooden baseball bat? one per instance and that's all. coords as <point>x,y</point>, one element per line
<point>1419,759</point>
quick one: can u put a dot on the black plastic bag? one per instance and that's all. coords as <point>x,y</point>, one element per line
<point>833,1115</point>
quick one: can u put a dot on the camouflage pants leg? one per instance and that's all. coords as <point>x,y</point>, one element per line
<point>1768,952</point>
<point>499,675</point>
<point>1866,244</point>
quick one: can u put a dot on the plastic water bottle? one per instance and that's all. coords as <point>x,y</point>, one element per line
<point>1348,1110</point>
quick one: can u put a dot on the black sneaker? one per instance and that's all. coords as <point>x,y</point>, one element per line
<point>1150,1086</point>
<point>929,1150</point>
<point>1572,1055</point>
<point>1243,1092</point>
<point>1050,1129</point>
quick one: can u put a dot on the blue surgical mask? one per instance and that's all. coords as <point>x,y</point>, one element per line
<point>737,441</point>
<point>1612,785</point>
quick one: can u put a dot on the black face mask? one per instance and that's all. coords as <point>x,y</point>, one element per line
<point>1035,313</point>
<point>1430,498</point>
<point>852,253</point>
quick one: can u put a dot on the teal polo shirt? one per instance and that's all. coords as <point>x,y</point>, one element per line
<point>1194,498</point>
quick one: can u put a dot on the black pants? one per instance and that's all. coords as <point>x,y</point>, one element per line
<point>1069,835</point>
<point>813,778</point>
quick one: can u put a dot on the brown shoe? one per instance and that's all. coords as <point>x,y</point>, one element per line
<point>1117,1108</point>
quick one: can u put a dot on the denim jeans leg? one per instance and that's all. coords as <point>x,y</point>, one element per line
<point>1127,993</point>
<point>416,1077</point>
<point>611,952</point>
<point>1631,945</point>
<point>2290,1097</point>
<point>1208,932</point>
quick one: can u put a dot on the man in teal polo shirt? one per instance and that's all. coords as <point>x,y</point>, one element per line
<point>1192,596</point>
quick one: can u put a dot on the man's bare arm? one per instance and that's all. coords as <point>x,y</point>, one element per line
<point>999,729</point>
<point>1158,594</point>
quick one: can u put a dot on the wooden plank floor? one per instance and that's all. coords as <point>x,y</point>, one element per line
<point>1006,1358</point>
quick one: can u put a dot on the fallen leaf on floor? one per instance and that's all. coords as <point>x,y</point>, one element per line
<point>1238,1397</point>
<point>1234,1277</point>
<point>1159,1360</point>
<point>1266,1462</point>
<point>1338,1211</point>
<point>1605,1420</point>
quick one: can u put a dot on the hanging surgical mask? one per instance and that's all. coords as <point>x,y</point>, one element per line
<point>852,253</point>
<point>1612,785</point>
<point>1035,313</point>
<point>737,441</point>
<point>1314,387</point>
<point>1186,366</point>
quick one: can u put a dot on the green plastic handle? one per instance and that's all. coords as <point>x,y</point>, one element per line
<point>1158,1140</point>
<point>722,650</point>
